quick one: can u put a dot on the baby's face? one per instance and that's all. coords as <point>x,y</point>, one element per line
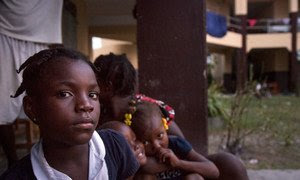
<point>136,146</point>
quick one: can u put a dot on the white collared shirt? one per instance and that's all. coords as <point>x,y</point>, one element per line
<point>97,165</point>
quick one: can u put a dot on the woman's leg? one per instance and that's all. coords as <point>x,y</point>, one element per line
<point>144,177</point>
<point>230,167</point>
<point>193,176</point>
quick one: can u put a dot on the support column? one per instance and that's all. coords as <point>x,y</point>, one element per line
<point>171,41</point>
<point>293,63</point>
<point>82,28</point>
<point>241,61</point>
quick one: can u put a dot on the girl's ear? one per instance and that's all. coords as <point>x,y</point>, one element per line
<point>29,108</point>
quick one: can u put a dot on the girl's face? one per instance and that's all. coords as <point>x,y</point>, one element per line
<point>155,136</point>
<point>67,108</point>
<point>136,146</point>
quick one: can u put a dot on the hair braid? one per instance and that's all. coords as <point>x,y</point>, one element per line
<point>117,71</point>
<point>35,67</point>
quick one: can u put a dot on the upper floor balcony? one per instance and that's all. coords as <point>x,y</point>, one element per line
<point>266,25</point>
<point>261,34</point>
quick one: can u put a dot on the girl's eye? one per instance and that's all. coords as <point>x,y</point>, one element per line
<point>161,135</point>
<point>94,95</point>
<point>145,143</point>
<point>64,94</point>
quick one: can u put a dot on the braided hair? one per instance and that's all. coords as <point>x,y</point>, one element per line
<point>116,70</point>
<point>35,68</point>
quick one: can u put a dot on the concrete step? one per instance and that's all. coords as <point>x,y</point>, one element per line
<point>274,174</point>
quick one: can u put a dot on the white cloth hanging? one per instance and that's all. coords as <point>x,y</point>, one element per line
<point>32,20</point>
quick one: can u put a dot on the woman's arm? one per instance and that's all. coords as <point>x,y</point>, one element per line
<point>195,163</point>
<point>202,165</point>
<point>153,166</point>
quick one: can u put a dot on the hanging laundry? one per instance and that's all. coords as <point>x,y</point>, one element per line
<point>252,22</point>
<point>286,21</point>
<point>216,24</point>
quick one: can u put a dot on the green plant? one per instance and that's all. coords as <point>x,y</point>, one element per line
<point>215,103</point>
<point>237,119</point>
<point>274,141</point>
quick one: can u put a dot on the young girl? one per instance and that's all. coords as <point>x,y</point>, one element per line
<point>62,98</point>
<point>118,83</point>
<point>136,146</point>
<point>172,156</point>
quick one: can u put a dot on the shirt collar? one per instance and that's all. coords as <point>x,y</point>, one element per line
<point>97,164</point>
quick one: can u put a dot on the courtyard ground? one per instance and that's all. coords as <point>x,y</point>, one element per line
<point>275,147</point>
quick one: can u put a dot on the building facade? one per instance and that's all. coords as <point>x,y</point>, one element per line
<point>270,41</point>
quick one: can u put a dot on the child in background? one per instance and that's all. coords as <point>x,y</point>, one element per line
<point>136,146</point>
<point>171,157</point>
<point>118,84</point>
<point>62,98</point>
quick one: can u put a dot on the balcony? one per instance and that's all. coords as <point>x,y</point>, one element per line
<point>281,25</point>
<point>261,34</point>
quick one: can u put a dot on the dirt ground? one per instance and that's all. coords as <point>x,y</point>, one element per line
<point>273,146</point>
<point>263,151</point>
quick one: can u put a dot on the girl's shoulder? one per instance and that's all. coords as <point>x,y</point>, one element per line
<point>119,158</point>
<point>110,134</point>
<point>21,170</point>
<point>113,141</point>
<point>179,146</point>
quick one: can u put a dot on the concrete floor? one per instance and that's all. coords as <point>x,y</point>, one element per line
<point>274,174</point>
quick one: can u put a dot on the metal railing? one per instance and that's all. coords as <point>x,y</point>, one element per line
<point>261,25</point>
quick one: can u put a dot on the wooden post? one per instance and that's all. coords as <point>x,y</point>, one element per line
<point>171,41</point>
<point>241,57</point>
<point>241,61</point>
<point>293,63</point>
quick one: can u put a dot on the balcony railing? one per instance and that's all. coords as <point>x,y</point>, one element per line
<point>261,25</point>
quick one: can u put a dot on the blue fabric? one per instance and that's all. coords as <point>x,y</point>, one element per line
<point>120,160</point>
<point>21,170</point>
<point>179,146</point>
<point>216,24</point>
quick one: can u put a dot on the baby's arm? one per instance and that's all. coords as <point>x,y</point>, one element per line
<point>195,163</point>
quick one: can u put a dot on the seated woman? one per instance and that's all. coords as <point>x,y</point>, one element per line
<point>118,85</point>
